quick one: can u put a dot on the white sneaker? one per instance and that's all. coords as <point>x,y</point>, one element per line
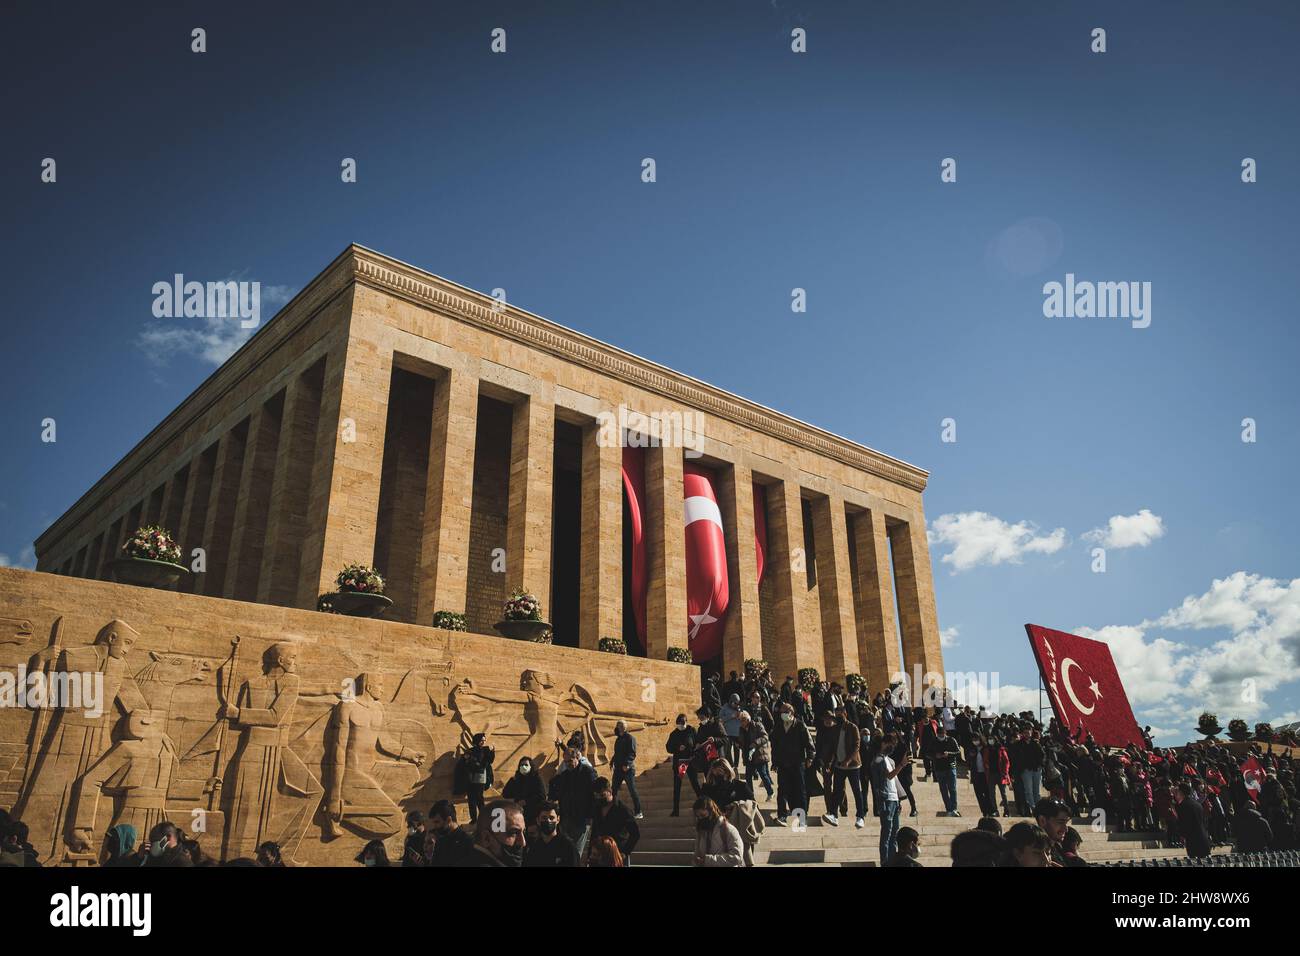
<point>831,818</point>
<point>640,816</point>
<point>779,822</point>
<point>955,813</point>
<point>860,824</point>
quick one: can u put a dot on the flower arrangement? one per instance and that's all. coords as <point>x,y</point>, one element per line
<point>360,579</point>
<point>1208,724</point>
<point>449,620</point>
<point>854,683</point>
<point>1264,733</point>
<point>679,655</point>
<point>809,677</point>
<point>612,645</point>
<point>754,667</point>
<point>1237,730</point>
<point>522,606</point>
<point>153,543</point>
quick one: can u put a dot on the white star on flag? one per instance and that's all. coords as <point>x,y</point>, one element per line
<point>699,620</point>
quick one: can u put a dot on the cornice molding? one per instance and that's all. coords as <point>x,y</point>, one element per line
<point>397,278</point>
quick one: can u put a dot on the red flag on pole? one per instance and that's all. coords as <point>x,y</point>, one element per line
<point>1084,686</point>
<point>1252,773</point>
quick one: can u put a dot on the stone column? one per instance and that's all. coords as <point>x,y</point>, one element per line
<point>743,637</point>
<point>600,552</point>
<point>797,646</point>
<point>877,630</point>
<point>289,492</point>
<point>220,516</point>
<point>839,630</point>
<point>448,495</point>
<point>248,537</point>
<point>528,514</point>
<point>344,503</point>
<point>916,612</point>
<point>666,623</point>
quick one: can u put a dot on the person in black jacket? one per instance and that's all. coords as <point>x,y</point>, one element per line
<point>613,820</point>
<point>550,847</point>
<point>624,764</point>
<point>476,764</point>
<point>573,788</point>
<point>413,849</point>
<point>526,787</point>
<point>1250,829</point>
<point>1191,821</point>
<point>792,754</point>
<point>681,745</point>
<point>453,845</point>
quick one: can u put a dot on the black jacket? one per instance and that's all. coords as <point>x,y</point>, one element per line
<point>457,849</point>
<point>619,824</point>
<point>573,791</point>
<point>1191,826</point>
<point>559,851</point>
<point>625,753</point>
<point>529,790</point>
<point>791,747</point>
<point>1252,832</point>
<point>681,743</point>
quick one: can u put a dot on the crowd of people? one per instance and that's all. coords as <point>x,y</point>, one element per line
<point>799,743</point>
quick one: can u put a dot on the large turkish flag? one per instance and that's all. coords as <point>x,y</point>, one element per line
<point>1084,686</point>
<point>707,592</point>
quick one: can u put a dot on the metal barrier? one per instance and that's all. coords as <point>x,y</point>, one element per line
<point>1270,859</point>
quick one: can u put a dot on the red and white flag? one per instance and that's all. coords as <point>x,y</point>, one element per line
<point>707,591</point>
<point>1084,686</point>
<point>1252,773</point>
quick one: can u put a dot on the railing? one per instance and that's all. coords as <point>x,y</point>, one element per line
<point>1270,858</point>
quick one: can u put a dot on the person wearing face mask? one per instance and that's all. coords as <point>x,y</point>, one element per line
<point>500,839</point>
<point>905,857</point>
<point>573,789</point>
<point>374,854</point>
<point>550,847</point>
<point>526,787</point>
<point>624,764</point>
<point>613,820</point>
<point>681,746</point>
<point>792,754</point>
<point>164,847</point>
<point>717,842</point>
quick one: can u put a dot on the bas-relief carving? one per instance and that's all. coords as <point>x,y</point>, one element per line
<point>314,765</point>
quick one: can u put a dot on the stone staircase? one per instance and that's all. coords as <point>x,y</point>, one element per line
<point>670,841</point>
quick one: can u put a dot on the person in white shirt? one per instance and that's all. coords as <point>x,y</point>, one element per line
<point>883,772</point>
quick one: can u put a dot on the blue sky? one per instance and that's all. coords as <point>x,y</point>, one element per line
<point>775,170</point>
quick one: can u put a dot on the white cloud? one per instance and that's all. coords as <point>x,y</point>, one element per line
<point>1128,531</point>
<point>211,339</point>
<point>948,637</point>
<point>1169,682</point>
<point>975,538</point>
<point>26,559</point>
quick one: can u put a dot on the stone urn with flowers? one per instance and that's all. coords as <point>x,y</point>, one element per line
<point>150,559</point>
<point>522,619</point>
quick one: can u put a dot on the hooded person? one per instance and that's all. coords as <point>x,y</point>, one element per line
<point>119,846</point>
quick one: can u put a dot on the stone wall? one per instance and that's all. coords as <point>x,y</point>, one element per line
<point>304,755</point>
